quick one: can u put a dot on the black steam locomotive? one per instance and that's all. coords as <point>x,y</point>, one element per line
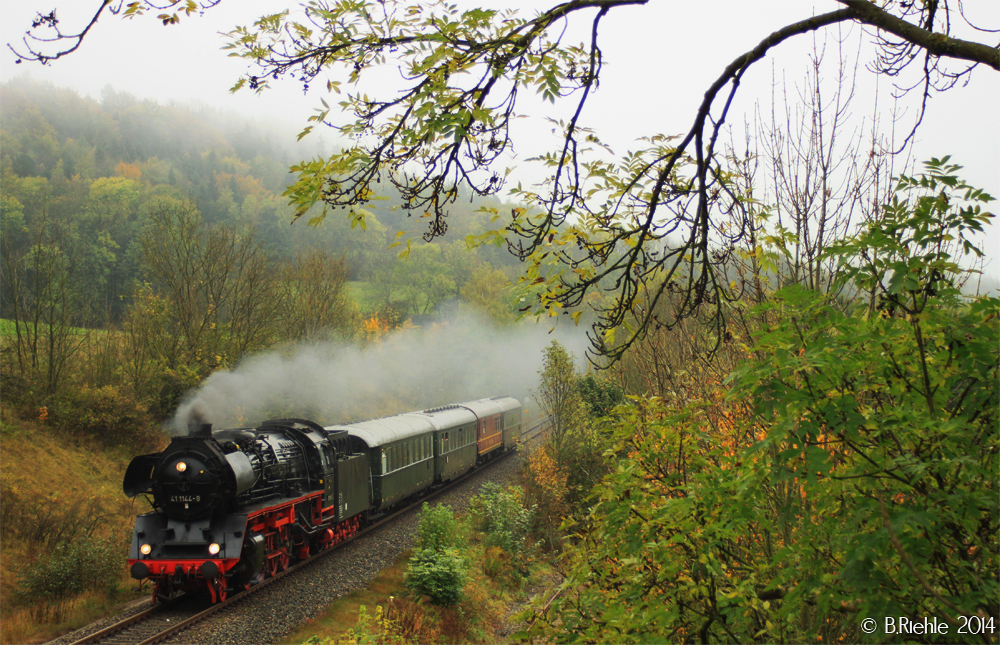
<point>232,507</point>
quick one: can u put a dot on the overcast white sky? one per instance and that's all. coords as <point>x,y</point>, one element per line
<point>660,59</point>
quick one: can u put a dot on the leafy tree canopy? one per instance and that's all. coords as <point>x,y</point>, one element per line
<point>446,127</point>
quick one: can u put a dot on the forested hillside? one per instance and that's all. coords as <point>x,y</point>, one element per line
<point>145,247</point>
<point>168,226</point>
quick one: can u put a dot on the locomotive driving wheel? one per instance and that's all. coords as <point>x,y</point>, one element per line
<point>278,561</point>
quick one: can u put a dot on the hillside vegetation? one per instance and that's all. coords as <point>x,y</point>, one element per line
<point>64,528</point>
<point>145,247</point>
<point>797,433</point>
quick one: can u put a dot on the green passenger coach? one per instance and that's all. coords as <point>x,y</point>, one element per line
<point>408,453</point>
<point>454,441</point>
<point>400,456</point>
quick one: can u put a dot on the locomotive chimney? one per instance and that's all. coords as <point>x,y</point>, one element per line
<point>197,426</point>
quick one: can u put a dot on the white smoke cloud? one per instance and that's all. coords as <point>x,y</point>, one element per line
<point>411,369</point>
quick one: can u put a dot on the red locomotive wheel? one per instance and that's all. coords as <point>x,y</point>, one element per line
<point>276,564</point>
<point>278,560</point>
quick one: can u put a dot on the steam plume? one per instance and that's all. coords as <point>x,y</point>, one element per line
<point>412,369</point>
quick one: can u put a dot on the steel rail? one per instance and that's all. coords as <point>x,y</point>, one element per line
<point>120,625</point>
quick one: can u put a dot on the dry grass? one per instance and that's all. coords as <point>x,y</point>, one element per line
<point>53,486</point>
<point>39,624</point>
<point>342,614</point>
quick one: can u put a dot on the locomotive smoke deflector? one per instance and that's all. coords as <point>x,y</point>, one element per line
<point>139,474</point>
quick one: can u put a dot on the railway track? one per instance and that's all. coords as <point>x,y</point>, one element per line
<point>164,621</point>
<point>531,437</point>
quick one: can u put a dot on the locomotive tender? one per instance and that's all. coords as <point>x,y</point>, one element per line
<point>234,506</point>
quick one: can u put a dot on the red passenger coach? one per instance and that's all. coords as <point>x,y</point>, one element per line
<point>490,427</point>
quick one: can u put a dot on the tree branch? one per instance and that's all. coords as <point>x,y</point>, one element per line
<point>937,44</point>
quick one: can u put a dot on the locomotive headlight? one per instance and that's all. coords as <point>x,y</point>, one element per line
<point>145,549</point>
<point>213,549</point>
<point>181,466</point>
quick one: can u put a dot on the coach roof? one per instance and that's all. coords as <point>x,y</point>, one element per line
<point>378,432</point>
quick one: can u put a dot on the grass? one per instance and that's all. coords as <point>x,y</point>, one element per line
<point>7,328</point>
<point>342,614</point>
<point>476,619</point>
<point>28,625</point>
<point>41,468</point>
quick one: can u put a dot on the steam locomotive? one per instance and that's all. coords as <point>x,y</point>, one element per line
<point>232,507</point>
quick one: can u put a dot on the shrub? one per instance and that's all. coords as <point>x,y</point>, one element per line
<point>500,514</point>
<point>47,521</point>
<point>108,414</point>
<point>438,528</point>
<point>375,629</point>
<point>600,395</point>
<point>439,575</point>
<point>546,487</point>
<point>494,561</point>
<point>70,568</point>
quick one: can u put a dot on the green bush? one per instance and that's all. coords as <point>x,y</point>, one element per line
<point>438,528</point>
<point>440,575</point>
<point>500,514</point>
<point>173,384</point>
<point>106,413</point>
<point>600,395</point>
<point>84,564</point>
